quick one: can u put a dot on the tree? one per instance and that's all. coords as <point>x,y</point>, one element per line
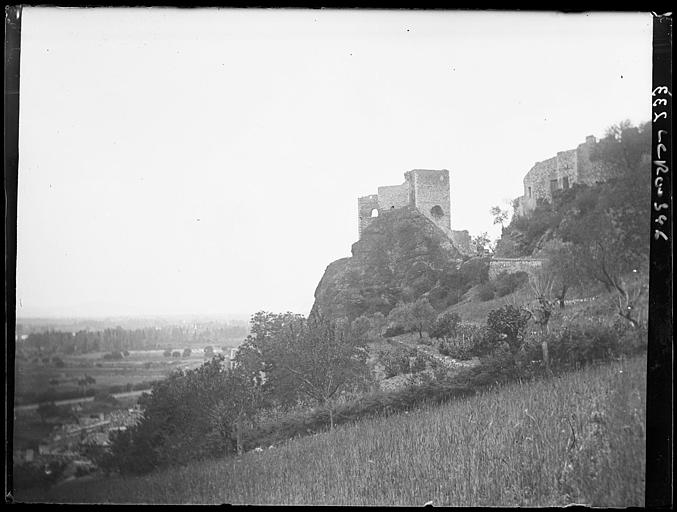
<point>236,411</point>
<point>378,322</point>
<point>85,382</point>
<point>561,264</point>
<point>322,363</point>
<point>258,355</point>
<point>187,352</point>
<point>179,423</point>
<point>445,326</point>
<point>413,316</point>
<point>499,215</point>
<point>481,243</point>
<point>209,351</point>
<point>167,353</point>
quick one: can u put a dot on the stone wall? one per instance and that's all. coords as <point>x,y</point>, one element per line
<point>393,196</point>
<point>426,190</point>
<point>561,172</point>
<point>365,206</point>
<point>430,191</point>
<point>512,265</point>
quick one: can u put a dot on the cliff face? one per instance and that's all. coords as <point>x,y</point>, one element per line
<point>402,255</point>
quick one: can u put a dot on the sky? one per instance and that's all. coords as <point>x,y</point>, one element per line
<point>209,161</point>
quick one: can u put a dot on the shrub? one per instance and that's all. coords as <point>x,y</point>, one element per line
<point>485,292</point>
<point>470,341</point>
<point>475,271</point>
<point>114,356</point>
<point>167,353</point>
<point>186,352</point>
<point>176,353</point>
<point>576,344</point>
<point>401,360</point>
<point>445,326</point>
<point>509,323</point>
<point>393,331</point>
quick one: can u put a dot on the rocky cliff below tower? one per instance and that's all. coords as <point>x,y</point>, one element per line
<point>401,256</point>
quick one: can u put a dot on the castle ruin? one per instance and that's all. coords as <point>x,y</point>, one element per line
<point>424,189</point>
<point>561,172</point>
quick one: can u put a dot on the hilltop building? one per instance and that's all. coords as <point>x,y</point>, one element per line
<point>560,172</point>
<point>426,190</point>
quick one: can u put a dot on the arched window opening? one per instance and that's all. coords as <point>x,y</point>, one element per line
<point>374,212</point>
<point>437,212</point>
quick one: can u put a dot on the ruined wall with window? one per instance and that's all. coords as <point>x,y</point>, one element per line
<point>425,189</point>
<point>561,172</point>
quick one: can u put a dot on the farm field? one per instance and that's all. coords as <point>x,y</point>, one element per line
<point>139,367</point>
<point>576,438</point>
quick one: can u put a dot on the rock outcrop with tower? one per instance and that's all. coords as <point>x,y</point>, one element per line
<point>405,249</point>
<point>427,191</point>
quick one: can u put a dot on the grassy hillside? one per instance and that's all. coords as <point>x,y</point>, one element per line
<point>576,438</point>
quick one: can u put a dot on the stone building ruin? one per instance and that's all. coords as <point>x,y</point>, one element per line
<point>561,172</point>
<point>424,189</point>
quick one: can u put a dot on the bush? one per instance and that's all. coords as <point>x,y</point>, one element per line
<point>176,353</point>
<point>178,424</point>
<point>186,352</point>
<point>401,360</point>
<point>475,271</point>
<point>167,353</point>
<point>485,292</point>
<point>509,323</point>
<point>393,331</point>
<point>505,283</point>
<point>470,341</point>
<point>445,326</point>
<point>577,344</point>
<point>113,356</point>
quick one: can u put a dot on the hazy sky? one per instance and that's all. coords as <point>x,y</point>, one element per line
<point>209,161</point>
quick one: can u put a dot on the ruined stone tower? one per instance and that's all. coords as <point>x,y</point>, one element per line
<point>424,189</point>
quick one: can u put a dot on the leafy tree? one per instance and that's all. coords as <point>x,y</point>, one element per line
<point>209,351</point>
<point>236,411</point>
<point>322,363</point>
<point>167,353</point>
<point>414,316</point>
<point>499,215</point>
<point>481,243</point>
<point>258,355</point>
<point>176,353</point>
<point>179,423</point>
<point>445,326</point>
<point>562,266</point>
<point>187,352</point>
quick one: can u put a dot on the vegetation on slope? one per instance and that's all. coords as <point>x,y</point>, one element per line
<point>576,438</point>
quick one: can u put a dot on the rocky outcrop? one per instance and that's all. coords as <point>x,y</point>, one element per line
<point>401,256</point>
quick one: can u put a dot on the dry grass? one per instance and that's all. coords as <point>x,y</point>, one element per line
<point>576,438</point>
